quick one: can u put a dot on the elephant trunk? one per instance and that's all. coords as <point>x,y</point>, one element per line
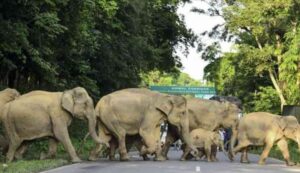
<point>232,142</point>
<point>185,133</point>
<point>222,147</point>
<point>92,128</point>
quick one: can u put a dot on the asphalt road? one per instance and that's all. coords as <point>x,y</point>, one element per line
<point>136,165</point>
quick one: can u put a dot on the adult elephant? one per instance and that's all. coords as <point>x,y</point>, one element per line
<point>140,111</point>
<point>47,114</point>
<point>265,129</point>
<point>7,95</point>
<point>209,115</point>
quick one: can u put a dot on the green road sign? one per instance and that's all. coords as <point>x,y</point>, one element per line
<point>185,90</point>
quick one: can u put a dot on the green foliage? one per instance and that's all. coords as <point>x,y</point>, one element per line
<point>266,100</point>
<point>265,61</point>
<point>101,45</point>
<point>266,41</point>
<point>234,77</point>
<point>291,68</point>
<point>32,166</point>
<point>167,79</point>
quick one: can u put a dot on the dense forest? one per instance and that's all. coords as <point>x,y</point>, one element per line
<point>102,45</point>
<point>105,45</point>
<point>263,68</point>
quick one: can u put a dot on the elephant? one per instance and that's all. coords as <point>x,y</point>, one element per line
<point>7,95</point>
<point>40,114</point>
<point>131,141</point>
<point>202,153</point>
<point>139,111</point>
<point>206,143</point>
<point>266,129</point>
<point>209,115</point>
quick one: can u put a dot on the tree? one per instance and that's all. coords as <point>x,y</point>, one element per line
<point>98,44</point>
<point>265,33</point>
<point>167,79</point>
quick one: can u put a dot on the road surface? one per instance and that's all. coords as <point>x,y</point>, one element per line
<point>136,165</point>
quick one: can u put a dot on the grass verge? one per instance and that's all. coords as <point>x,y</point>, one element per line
<point>31,163</point>
<point>31,166</point>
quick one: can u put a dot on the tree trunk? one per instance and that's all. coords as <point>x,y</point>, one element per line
<point>298,74</point>
<point>273,79</point>
<point>278,90</point>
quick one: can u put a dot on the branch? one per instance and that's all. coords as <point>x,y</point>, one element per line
<point>273,78</point>
<point>258,43</point>
<point>275,83</point>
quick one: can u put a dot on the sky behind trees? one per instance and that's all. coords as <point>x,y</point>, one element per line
<point>193,64</point>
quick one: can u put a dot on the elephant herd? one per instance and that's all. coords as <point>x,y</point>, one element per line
<point>134,116</point>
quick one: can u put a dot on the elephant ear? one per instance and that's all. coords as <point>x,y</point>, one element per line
<point>288,122</point>
<point>164,104</point>
<point>292,122</point>
<point>226,106</point>
<point>67,101</point>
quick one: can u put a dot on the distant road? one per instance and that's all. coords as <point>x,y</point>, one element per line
<point>136,165</point>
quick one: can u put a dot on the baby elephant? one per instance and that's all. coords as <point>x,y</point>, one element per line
<point>206,143</point>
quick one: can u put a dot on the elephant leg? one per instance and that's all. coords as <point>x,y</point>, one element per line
<point>120,135</point>
<point>208,154</point>
<point>13,146</point>
<point>186,153</point>
<point>145,157</point>
<point>3,144</point>
<point>52,149</point>
<point>112,149</point>
<point>243,142</point>
<point>265,153</point>
<point>152,142</point>
<point>214,150</point>
<point>201,153</point>
<point>62,135</point>
<point>208,151</point>
<point>244,155</point>
<point>122,147</point>
<point>233,138</point>
<point>283,146</point>
<point>94,153</point>
<point>139,146</point>
<point>189,156</point>
<point>170,139</point>
<point>20,151</point>
<point>158,150</point>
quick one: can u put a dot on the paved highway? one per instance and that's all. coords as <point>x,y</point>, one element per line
<point>136,165</point>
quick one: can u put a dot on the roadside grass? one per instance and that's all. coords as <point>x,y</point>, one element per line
<point>31,163</point>
<point>31,166</point>
<point>276,153</point>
